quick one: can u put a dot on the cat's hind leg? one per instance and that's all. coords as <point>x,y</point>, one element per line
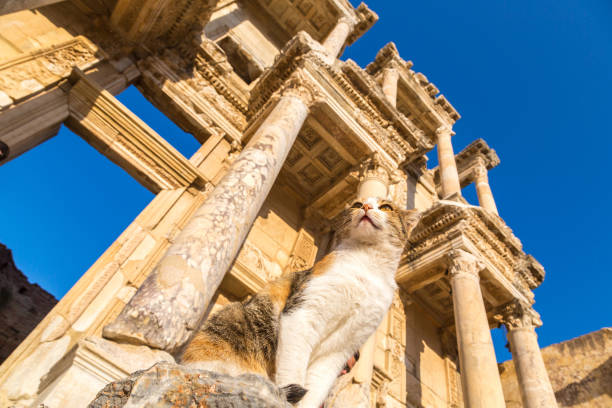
<point>320,378</point>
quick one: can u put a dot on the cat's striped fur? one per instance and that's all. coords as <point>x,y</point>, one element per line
<point>289,327</point>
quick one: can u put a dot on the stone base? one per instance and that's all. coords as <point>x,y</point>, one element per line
<point>75,380</point>
<point>172,385</point>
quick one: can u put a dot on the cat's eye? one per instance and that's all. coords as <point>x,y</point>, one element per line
<point>385,207</point>
<point>357,205</point>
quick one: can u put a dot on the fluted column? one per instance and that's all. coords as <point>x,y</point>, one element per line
<point>483,190</point>
<point>171,302</point>
<point>336,39</point>
<point>449,177</point>
<point>479,375</point>
<point>534,384</point>
<point>373,178</point>
<point>390,77</point>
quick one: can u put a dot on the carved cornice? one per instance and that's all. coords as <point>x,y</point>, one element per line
<point>366,18</point>
<point>407,135</point>
<point>488,234</point>
<point>423,94</point>
<point>302,52</point>
<point>387,56</point>
<point>158,23</point>
<point>517,315</point>
<point>300,48</point>
<point>26,75</point>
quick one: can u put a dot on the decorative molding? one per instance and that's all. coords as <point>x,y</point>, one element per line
<point>462,262</point>
<point>486,232</point>
<point>116,132</point>
<point>38,70</point>
<point>517,315</point>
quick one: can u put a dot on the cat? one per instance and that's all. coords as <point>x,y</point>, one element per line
<point>300,329</point>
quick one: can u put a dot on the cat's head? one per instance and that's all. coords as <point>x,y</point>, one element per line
<point>374,220</point>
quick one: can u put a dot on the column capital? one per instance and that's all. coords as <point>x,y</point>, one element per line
<point>462,262</point>
<point>518,315</point>
<point>445,130</point>
<point>480,168</point>
<point>373,167</point>
<point>300,87</point>
<point>374,177</point>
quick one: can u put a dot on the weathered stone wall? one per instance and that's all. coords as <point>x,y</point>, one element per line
<point>22,304</point>
<point>579,369</point>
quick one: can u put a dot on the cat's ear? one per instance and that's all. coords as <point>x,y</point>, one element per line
<point>409,218</point>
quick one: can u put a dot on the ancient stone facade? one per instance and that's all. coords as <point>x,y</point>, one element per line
<point>22,304</point>
<point>289,135</point>
<point>580,372</point>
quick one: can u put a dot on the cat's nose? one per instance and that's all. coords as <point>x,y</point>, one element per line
<point>367,207</point>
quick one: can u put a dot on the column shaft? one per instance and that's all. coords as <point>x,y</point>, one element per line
<point>483,190</point>
<point>337,38</point>
<point>171,302</point>
<point>449,178</point>
<point>479,374</point>
<point>373,178</point>
<point>389,85</point>
<point>534,384</point>
<point>365,366</point>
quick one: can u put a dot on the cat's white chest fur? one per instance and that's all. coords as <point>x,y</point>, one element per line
<point>339,309</point>
<point>346,303</point>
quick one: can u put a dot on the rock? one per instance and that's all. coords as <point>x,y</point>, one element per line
<point>347,393</point>
<point>167,385</point>
<point>22,304</point>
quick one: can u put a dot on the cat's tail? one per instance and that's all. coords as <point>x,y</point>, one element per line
<point>294,392</point>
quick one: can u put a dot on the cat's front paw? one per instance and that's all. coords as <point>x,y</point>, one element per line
<point>294,392</point>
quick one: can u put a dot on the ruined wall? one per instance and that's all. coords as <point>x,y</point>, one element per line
<point>579,369</point>
<point>22,304</point>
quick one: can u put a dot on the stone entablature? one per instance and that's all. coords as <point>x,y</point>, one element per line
<point>417,98</point>
<point>509,272</point>
<point>335,88</point>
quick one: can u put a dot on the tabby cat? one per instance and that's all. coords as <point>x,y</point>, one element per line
<point>302,328</point>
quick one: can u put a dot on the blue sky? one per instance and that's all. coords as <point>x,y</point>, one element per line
<point>531,78</point>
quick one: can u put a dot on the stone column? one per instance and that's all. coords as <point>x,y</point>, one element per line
<point>390,77</point>
<point>449,177</point>
<point>479,374</point>
<point>483,190</point>
<point>534,384</point>
<point>374,181</point>
<point>172,301</point>
<point>373,178</point>
<point>337,38</point>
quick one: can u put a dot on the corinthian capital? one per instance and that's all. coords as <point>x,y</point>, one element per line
<point>373,168</point>
<point>299,86</point>
<point>480,169</point>
<point>444,130</point>
<point>517,314</point>
<point>462,262</point>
